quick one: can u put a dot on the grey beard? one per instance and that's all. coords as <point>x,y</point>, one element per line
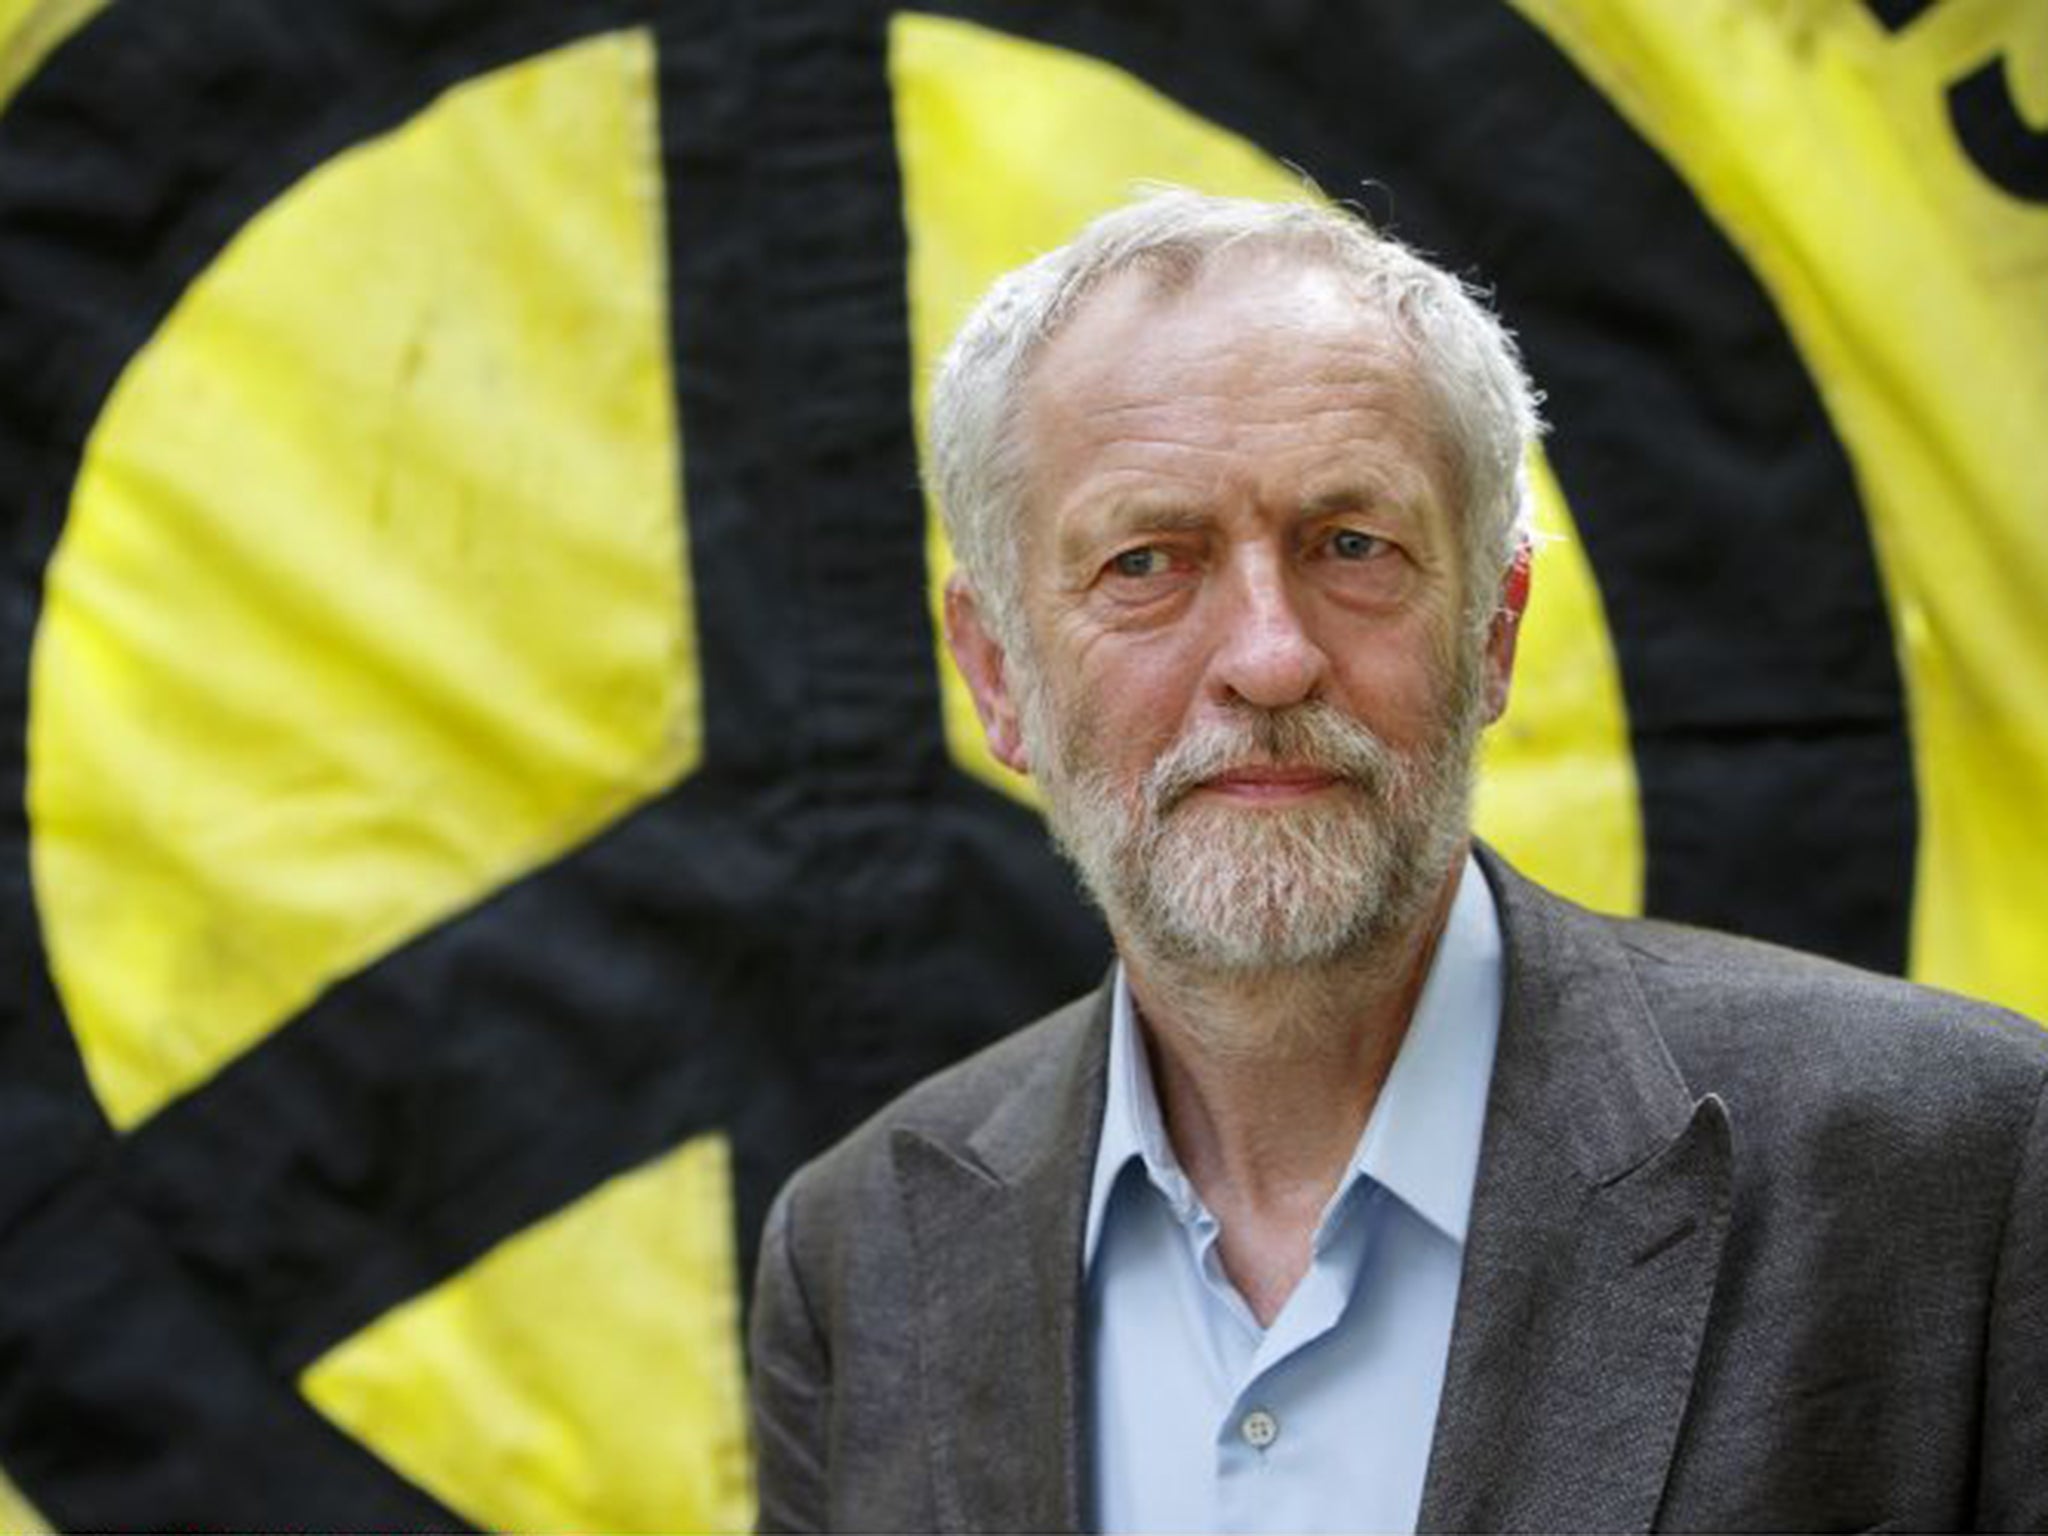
<point>1232,892</point>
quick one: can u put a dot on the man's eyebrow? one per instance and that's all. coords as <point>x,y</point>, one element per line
<point>1121,519</point>
<point>1342,498</point>
<point>1350,496</point>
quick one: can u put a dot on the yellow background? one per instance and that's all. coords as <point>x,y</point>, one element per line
<point>1917,292</point>
<point>374,597</point>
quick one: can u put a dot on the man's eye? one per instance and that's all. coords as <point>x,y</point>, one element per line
<point>1144,561</point>
<point>1350,544</point>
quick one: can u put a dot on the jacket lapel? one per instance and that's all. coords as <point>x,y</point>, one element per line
<point>997,1223</point>
<point>1596,1237</point>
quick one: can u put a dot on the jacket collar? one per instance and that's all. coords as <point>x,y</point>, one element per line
<point>1597,1228</point>
<point>996,1220</point>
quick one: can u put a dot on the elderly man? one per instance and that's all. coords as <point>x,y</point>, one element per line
<point>1376,1187</point>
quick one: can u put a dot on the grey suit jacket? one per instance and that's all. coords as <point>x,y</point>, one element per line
<point>1759,1241</point>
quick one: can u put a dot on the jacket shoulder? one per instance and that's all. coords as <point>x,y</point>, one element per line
<point>1841,1076</point>
<point>1739,998</point>
<point>1794,1044</point>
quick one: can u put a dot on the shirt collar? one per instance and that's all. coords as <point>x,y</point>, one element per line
<point>1422,1141</point>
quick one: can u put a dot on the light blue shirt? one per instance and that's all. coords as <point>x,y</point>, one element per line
<point>1202,1420</point>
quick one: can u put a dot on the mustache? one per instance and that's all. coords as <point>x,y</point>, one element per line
<point>1312,735</point>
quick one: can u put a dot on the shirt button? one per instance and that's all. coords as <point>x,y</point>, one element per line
<point>1259,1428</point>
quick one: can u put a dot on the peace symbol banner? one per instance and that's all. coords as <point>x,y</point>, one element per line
<point>484,798</point>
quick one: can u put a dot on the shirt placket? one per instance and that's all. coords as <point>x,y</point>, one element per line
<point>1258,1463</point>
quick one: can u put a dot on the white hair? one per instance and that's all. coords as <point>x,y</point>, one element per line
<point>1465,358</point>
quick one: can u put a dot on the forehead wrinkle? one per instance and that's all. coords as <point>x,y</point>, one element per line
<point>1153,514</point>
<point>1282,392</point>
<point>1156,388</point>
<point>1318,427</point>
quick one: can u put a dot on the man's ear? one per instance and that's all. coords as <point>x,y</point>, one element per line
<point>1504,630</point>
<point>986,669</point>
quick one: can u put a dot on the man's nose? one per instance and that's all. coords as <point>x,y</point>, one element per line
<point>1267,654</point>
